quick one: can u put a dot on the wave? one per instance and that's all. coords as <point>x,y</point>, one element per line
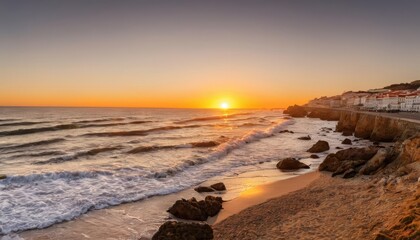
<point>77,155</point>
<point>210,118</point>
<point>100,120</point>
<point>8,119</point>
<point>138,132</point>
<point>204,144</point>
<point>32,144</point>
<point>70,126</point>
<point>62,196</point>
<point>40,154</point>
<point>20,124</point>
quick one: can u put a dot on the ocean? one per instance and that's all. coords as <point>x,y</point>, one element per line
<point>62,162</point>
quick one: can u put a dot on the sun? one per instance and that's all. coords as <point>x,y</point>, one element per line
<point>224,105</point>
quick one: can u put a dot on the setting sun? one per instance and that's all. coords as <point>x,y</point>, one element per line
<point>224,105</point>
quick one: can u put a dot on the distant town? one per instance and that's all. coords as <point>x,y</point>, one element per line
<point>404,97</point>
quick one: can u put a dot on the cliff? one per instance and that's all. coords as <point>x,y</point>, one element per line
<point>376,127</point>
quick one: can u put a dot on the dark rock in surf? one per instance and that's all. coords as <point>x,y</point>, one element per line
<point>173,230</point>
<point>218,186</point>
<point>346,142</point>
<point>201,189</point>
<point>319,146</point>
<point>305,138</point>
<point>2,176</point>
<point>290,164</point>
<point>314,156</point>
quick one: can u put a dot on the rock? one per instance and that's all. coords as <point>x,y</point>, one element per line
<point>347,133</point>
<point>320,146</point>
<point>349,173</point>
<point>196,210</point>
<point>346,159</point>
<point>338,148</point>
<point>375,162</point>
<point>2,176</point>
<point>188,209</point>
<point>211,205</point>
<point>201,189</point>
<point>290,164</point>
<point>173,230</point>
<point>314,156</point>
<point>330,164</point>
<point>376,143</point>
<point>383,236</point>
<point>305,138</point>
<point>218,186</point>
<point>286,131</point>
<point>346,141</point>
<point>295,111</point>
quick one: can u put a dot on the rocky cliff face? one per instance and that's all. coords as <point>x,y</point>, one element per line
<point>376,128</point>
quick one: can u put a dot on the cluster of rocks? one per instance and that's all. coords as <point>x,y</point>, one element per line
<point>192,209</point>
<point>352,161</point>
<point>214,187</point>
<point>196,210</point>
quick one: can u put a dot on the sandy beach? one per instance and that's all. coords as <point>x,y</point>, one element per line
<point>329,208</point>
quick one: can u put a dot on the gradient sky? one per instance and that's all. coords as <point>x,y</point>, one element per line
<point>200,53</point>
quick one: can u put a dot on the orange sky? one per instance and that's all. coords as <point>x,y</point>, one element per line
<point>199,54</point>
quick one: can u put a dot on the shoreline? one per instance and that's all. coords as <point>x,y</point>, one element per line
<point>262,193</point>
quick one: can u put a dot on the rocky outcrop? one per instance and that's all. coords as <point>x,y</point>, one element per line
<point>218,186</point>
<point>324,114</point>
<point>296,111</point>
<point>319,146</point>
<point>172,230</point>
<point>290,164</point>
<point>347,121</point>
<point>196,210</point>
<point>347,159</point>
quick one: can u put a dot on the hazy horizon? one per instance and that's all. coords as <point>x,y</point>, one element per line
<point>198,54</point>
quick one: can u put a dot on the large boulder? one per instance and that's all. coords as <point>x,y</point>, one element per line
<point>319,146</point>
<point>295,111</point>
<point>375,162</point>
<point>196,210</point>
<point>290,164</point>
<point>172,230</point>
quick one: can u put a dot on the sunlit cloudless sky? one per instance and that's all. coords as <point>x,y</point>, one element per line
<point>201,53</point>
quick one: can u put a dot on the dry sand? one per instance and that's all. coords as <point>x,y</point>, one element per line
<point>329,208</point>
